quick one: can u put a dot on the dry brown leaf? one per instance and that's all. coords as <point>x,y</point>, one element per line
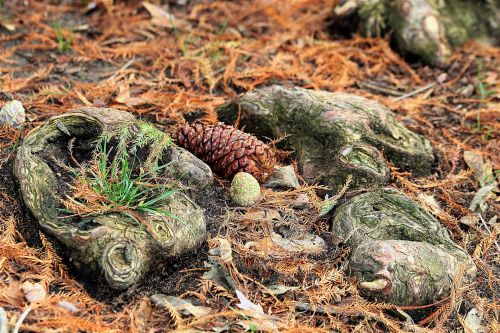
<point>33,292</point>
<point>12,294</point>
<point>181,305</point>
<point>483,170</point>
<point>165,19</point>
<point>142,315</point>
<point>8,26</point>
<point>125,98</point>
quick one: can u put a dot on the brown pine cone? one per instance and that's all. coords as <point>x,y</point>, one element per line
<point>228,150</point>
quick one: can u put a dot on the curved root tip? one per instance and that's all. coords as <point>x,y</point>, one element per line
<point>377,284</point>
<point>346,8</point>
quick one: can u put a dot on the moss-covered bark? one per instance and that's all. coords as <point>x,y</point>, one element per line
<point>401,253</point>
<point>114,243</point>
<point>192,172</point>
<point>333,134</point>
<point>404,272</point>
<point>429,29</point>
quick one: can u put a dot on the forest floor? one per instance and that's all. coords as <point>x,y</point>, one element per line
<point>55,57</point>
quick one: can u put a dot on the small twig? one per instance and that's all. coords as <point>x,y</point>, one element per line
<point>488,230</point>
<point>377,87</point>
<point>21,319</point>
<point>3,321</point>
<point>415,92</point>
<point>325,309</point>
<point>127,65</point>
<point>462,72</point>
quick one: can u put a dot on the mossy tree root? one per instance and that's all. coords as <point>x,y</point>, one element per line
<point>114,243</point>
<point>333,134</point>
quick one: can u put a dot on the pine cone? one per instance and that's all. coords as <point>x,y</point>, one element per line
<point>228,150</point>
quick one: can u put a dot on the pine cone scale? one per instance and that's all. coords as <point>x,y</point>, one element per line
<point>239,154</point>
<point>228,150</point>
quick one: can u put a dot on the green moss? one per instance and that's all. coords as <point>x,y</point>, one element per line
<point>321,128</point>
<point>469,20</point>
<point>387,214</point>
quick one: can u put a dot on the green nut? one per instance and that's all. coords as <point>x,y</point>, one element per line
<point>245,189</point>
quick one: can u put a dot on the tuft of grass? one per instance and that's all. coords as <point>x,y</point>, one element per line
<point>111,184</point>
<point>374,15</point>
<point>63,42</point>
<point>482,86</point>
<point>483,93</point>
<point>123,189</point>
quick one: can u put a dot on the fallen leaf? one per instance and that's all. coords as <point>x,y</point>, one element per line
<point>277,289</point>
<point>470,220</point>
<point>283,177</point>
<point>181,305</point>
<point>4,322</point>
<point>124,96</point>
<point>12,293</point>
<point>473,321</point>
<point>13,114</point>
<point>8,26</point>
<point>261,321</point>
<point>430,202</point>
<point>218,273</point>
<point>302,201</point>
<point>258,215</point>
<point>308,243</point>
<point>478,203</point>
<point>246,304</point>
<point>161,18</point>
<point>142,315</point>
<point>483,171</point>
<point>223,251</point>
<point>81,27</point>
<point>33,292</point>
<point>226,254</point>
<point>67,305</point>
<point>258,326</point>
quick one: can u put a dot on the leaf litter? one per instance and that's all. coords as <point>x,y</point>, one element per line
<point>165,64</point>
